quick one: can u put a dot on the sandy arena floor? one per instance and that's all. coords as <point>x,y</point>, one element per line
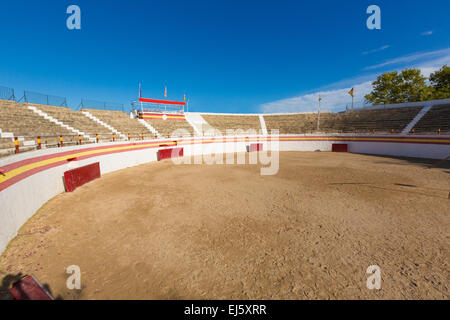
<point>160,231</point>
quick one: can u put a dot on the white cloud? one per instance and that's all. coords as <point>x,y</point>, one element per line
<point>332,100</point>
<point>427,33</point>
<point>335,97</point>
<point>376,50</point>
<point>414,58</point>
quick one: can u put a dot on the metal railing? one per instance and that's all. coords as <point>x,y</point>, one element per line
<point>44,99</point>
<point>156,107</point>
<point>101,105</point>
<point>7,93</point>
<point>57,141</point>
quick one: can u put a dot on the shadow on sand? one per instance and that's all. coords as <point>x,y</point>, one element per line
<point>423,162</point>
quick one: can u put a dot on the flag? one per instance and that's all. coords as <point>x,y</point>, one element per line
<point>140,91</point>
<point>351,92</point>
<point>184,97</point>
<point>165,92</point>
<point>320,98</point>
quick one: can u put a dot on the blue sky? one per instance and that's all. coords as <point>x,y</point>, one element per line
<point>228,56</point>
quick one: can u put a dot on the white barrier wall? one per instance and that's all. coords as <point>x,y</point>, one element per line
<point>413,150</point>
<point>22,199</point>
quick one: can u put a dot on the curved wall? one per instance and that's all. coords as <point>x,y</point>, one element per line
<point>30,179</point>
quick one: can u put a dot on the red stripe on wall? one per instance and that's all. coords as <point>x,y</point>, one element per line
<point>28,173</point>
<point>179,103</point>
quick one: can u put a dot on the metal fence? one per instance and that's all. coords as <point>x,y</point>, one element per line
<point>361,104</point>
<point>46,99</point>
<point>102,105</point>
<point>156,107</point>
<point>40,98</point>
<point>7,93</point>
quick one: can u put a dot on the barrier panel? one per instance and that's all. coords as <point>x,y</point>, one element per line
<point>170,153</point>
<point>339,147</point>
<point>28,288</point>
<point>77,177</point>
<point>255,147</point>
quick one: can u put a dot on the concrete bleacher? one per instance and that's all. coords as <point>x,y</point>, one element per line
<point>6,146</point>
<point>166,128</point>
<point>232,122</point>
<point>17,119</point>
<point>77,120</point>
<point>292,123</point>
<point>122,122</point>
<point>437,118</point>
<point>392,120</point>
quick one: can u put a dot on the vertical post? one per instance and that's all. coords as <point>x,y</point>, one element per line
<point>318,115</point>
<point>39,142</point>
<point>16,145</point>
<point>352,101</point>
<point>61,141</point>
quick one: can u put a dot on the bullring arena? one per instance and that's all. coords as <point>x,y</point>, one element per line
<point>255,215</point>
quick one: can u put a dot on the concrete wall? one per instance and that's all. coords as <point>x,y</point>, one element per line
<point>21,200</point>
<point>431,151</point>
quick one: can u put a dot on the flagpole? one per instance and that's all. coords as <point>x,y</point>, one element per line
<point>352,93</point>
<point>140,96</point>
<point>318,115</point>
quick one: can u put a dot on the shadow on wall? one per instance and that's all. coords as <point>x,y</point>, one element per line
<point>10,279</point>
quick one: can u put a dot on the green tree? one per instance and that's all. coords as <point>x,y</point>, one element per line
<point>393,87</point>
<point>440,83</point>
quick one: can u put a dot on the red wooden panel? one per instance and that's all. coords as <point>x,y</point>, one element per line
<point>255,147</point>
<point>170,153</point>
<point>339,147</point>
<point>180,103</point>
<point>79,176</point>
<point>28,288</point>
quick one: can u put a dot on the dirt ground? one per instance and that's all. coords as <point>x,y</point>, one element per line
<point>162,231</point>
